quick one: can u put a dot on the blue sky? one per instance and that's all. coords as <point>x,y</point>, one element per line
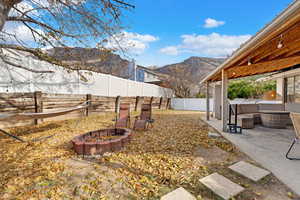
<point>162,32</point>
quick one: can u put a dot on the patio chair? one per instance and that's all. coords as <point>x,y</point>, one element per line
<point>123,120</point>
<point>145,120</point>
<point>296,122</point>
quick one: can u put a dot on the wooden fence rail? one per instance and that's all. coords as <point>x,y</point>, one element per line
<point>45,102</point>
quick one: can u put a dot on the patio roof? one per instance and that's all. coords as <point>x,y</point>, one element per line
<point>275,47</point>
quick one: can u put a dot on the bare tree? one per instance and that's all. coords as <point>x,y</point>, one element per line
<point>179,81</point>
<point>61,23</point>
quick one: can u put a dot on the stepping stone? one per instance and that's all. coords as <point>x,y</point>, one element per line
<point>250,171</point>
<point>213,135</point>
<point>221,186</point>
<point>178,194</point>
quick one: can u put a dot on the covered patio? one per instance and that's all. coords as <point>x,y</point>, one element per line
<point>274,49</point>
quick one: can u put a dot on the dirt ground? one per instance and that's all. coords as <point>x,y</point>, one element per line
<point>176,152</point>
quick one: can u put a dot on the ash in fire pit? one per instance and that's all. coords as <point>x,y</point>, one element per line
<point>101,141</point>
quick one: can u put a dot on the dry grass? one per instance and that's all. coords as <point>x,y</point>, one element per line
<point>154,163</point>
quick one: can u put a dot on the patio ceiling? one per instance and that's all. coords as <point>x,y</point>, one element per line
<point>275,47</point>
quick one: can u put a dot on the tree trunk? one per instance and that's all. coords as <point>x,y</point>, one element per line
<point>5,7</point>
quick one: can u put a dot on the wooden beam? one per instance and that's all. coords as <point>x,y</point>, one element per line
<point>285,50</point>
<point>288,38</point>
<point>261,68</point>
<point>292,53</point>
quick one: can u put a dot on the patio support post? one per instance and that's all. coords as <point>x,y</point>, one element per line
<point>224,99</point>
<point>207,101</point>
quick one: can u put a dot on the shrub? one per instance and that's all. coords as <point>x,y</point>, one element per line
<point>249,88</point>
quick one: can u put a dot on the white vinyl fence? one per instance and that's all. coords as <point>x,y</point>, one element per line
<point>196,104</point>
<point>199,104</point>
<point>62,81</point>
<point>254,101</point>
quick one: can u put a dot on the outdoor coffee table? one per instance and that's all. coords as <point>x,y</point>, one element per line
<point>275,118</point>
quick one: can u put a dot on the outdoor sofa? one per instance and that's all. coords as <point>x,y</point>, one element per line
<point>248,115</point>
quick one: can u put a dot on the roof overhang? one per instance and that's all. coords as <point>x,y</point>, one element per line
<point>262,53</point>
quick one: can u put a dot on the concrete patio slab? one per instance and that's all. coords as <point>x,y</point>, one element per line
<point>250,171</point>
<point>178,194</point>
<point>268,146</point>
<point>221,186</point>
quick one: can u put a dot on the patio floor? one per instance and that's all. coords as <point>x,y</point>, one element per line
<point>268,147</point>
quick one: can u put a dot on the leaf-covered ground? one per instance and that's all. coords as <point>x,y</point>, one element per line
<point>175,152</point>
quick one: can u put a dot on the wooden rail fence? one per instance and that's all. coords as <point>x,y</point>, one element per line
<point>45,102</point>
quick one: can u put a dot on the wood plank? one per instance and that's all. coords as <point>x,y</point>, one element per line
<point>267,49</point>
<point>281,28</point>
<point>288,50</point>
<point>264,67</point>
<point>50,95</point>
<point>16,95</point>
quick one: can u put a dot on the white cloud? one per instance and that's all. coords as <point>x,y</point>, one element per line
<point>170,50</point>
<point>23,7</point>
<point>212,23</point>
<point>20,31</point>
<point>212,45</point>
<point>132,42</point>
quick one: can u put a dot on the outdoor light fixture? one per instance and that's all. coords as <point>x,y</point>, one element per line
<point>280,45</point>
<point>249,61</point>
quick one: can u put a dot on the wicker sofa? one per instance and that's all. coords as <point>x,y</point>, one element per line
<point>248,115</point>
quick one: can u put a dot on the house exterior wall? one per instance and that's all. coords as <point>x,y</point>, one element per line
<point>279,87</point>
<point>149,77</point>
<point>292,77</point>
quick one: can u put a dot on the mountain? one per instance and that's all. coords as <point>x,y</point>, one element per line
<point>189,73</point>
<point>92,59</point>
<point>196,68</point>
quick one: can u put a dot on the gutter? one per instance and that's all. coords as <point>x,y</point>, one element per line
<point>288,12</point>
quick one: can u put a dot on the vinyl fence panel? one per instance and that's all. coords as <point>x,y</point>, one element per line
<point>63,81</point>
<point>196,104</point>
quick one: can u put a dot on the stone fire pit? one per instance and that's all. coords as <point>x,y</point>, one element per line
<point>101,141</point>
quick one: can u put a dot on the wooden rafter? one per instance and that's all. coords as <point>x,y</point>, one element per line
<point>287,38</point>
<point>290,31</point>
<point>264,67</point>
<point>259,68</point>
<point>287,50</point>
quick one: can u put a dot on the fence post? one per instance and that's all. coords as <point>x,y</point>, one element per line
<point>168,103</point>
<point>38,104</point>
<point>88,109</point>
<point>151,100</point>
<point>160,102</point>
<point>137,99</point>
<point>117,105</point>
